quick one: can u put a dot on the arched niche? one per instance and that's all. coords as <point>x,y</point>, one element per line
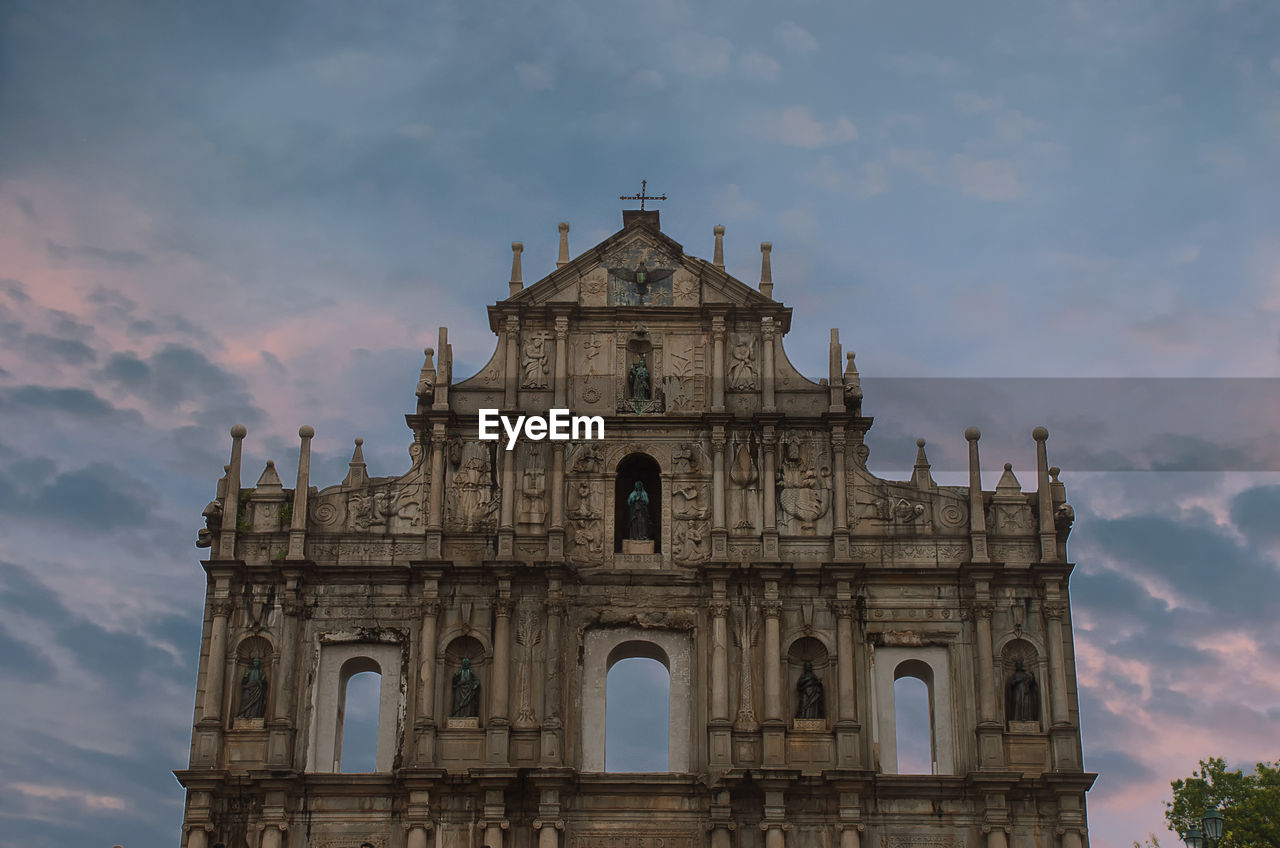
<point>602,649</point>
<point>808,649</point>
<point>462,647</point>
<point>339,662</point>
<point>251,648</point>
<point>644,469</point>
<point>929,664</point>
<point>1012,653</point>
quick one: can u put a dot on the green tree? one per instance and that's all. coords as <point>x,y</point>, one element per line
<point>1250,802</point>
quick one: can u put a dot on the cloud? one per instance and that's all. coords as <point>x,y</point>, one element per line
<point>796,38</point>
<point>535,77</point>
<point>95,256</point>
<point>795,126</point>
<point>921,163</point>
<point>758,66</point>
<point>78,402</point>
<point>94,498</point>
<point>700,55</point>
<point>986,179</point>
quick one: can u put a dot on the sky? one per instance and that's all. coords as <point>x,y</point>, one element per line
<point>220,213</point>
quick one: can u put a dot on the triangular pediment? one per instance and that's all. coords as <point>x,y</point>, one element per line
<point>611,274</point>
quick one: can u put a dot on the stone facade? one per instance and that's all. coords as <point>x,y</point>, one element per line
<point>776,560</point>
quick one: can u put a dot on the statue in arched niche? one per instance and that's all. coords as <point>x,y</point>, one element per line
<point>638,513</point>
<point>466,692</point>
<point>809,688</point>
<point>1022,696</point>
<point>253,691</point>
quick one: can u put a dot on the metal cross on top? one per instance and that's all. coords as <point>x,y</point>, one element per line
<point>642,197</point>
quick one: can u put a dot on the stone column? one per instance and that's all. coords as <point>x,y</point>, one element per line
<point>197,837</point>
<point>846,703</point>
<point>772,610</point>
<point>555,538</point>
<point>1054,612</point>
<point>435,502</point>
<point>548,833</point>
<point>850,838</point>
<point>996,838</point>
<point>272,836</point>
<point>552,750</point>
<point>718,442</point>
<point>417,837</point>
<point>840,497</point>
<point>512,382</point>
<point>1071,839</point>
<point>721,836</point>
<point>769,403</point>
<point>507,520</point>
<point>298,524</point>
<point>717,364</point>
<point>767,482</point>
<point>719,609</point>
<point>426,707</point>
<point>280,748</point>
<point>215,670</point>
<point>990,732</point>
<point>498,734</point>
<point>774,835</point>
<point>501,658</point>
<point>562,356</point>
<point>848,729</point>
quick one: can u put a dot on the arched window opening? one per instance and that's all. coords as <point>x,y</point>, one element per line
<point>633,518</point>
<point>913,719</point>
<point>637,710</point>
<point>359,702</point>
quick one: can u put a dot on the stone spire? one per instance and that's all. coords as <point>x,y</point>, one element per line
<point>766,269</point>
<point>517,279</point>
<point>358,475</point>
<point>717,258</point>
<point>1008,488</point>
<point>920,476</point>
<point>269,482</point>
<point>563,259</point>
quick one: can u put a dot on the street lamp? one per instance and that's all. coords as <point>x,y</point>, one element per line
<point>1208,833</point>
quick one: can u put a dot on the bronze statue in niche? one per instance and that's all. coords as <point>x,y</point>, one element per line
<point>809,688</point>
<point>253,691</point>
<point>1022,695</point>
<point>466,692</point>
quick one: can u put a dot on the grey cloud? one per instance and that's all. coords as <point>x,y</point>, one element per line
<point>1116,768</point>
<point>177,373</point>
<point>95,255</point>
<point>69,351</point>
<point>96,497</point>
<point>14,290</point>
<point>80,402</point>
<point>1255,513</point>
<point>22,659</point>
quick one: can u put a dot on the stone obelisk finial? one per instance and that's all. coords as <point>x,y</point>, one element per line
<point>517,279</point>
<point>298,525</point>
<point>1044,497</point>
<point>766,269</point>
<point>231,503</point>
<point>563,259</point>
<point>717,258</point>
<point>977,519</point>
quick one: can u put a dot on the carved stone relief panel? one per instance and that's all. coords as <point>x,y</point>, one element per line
<point>744,484</point>
<point>804,486</point>
<point>535,360</point>
<point>743,362</point>
<point>473,494</point>
<point>685,288</point>
<point>684,382</point>
<point>593,287</point>
<point>532,501</point>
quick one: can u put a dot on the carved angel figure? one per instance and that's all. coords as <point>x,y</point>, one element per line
<point>641,278</point>
<point>535,363</point>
